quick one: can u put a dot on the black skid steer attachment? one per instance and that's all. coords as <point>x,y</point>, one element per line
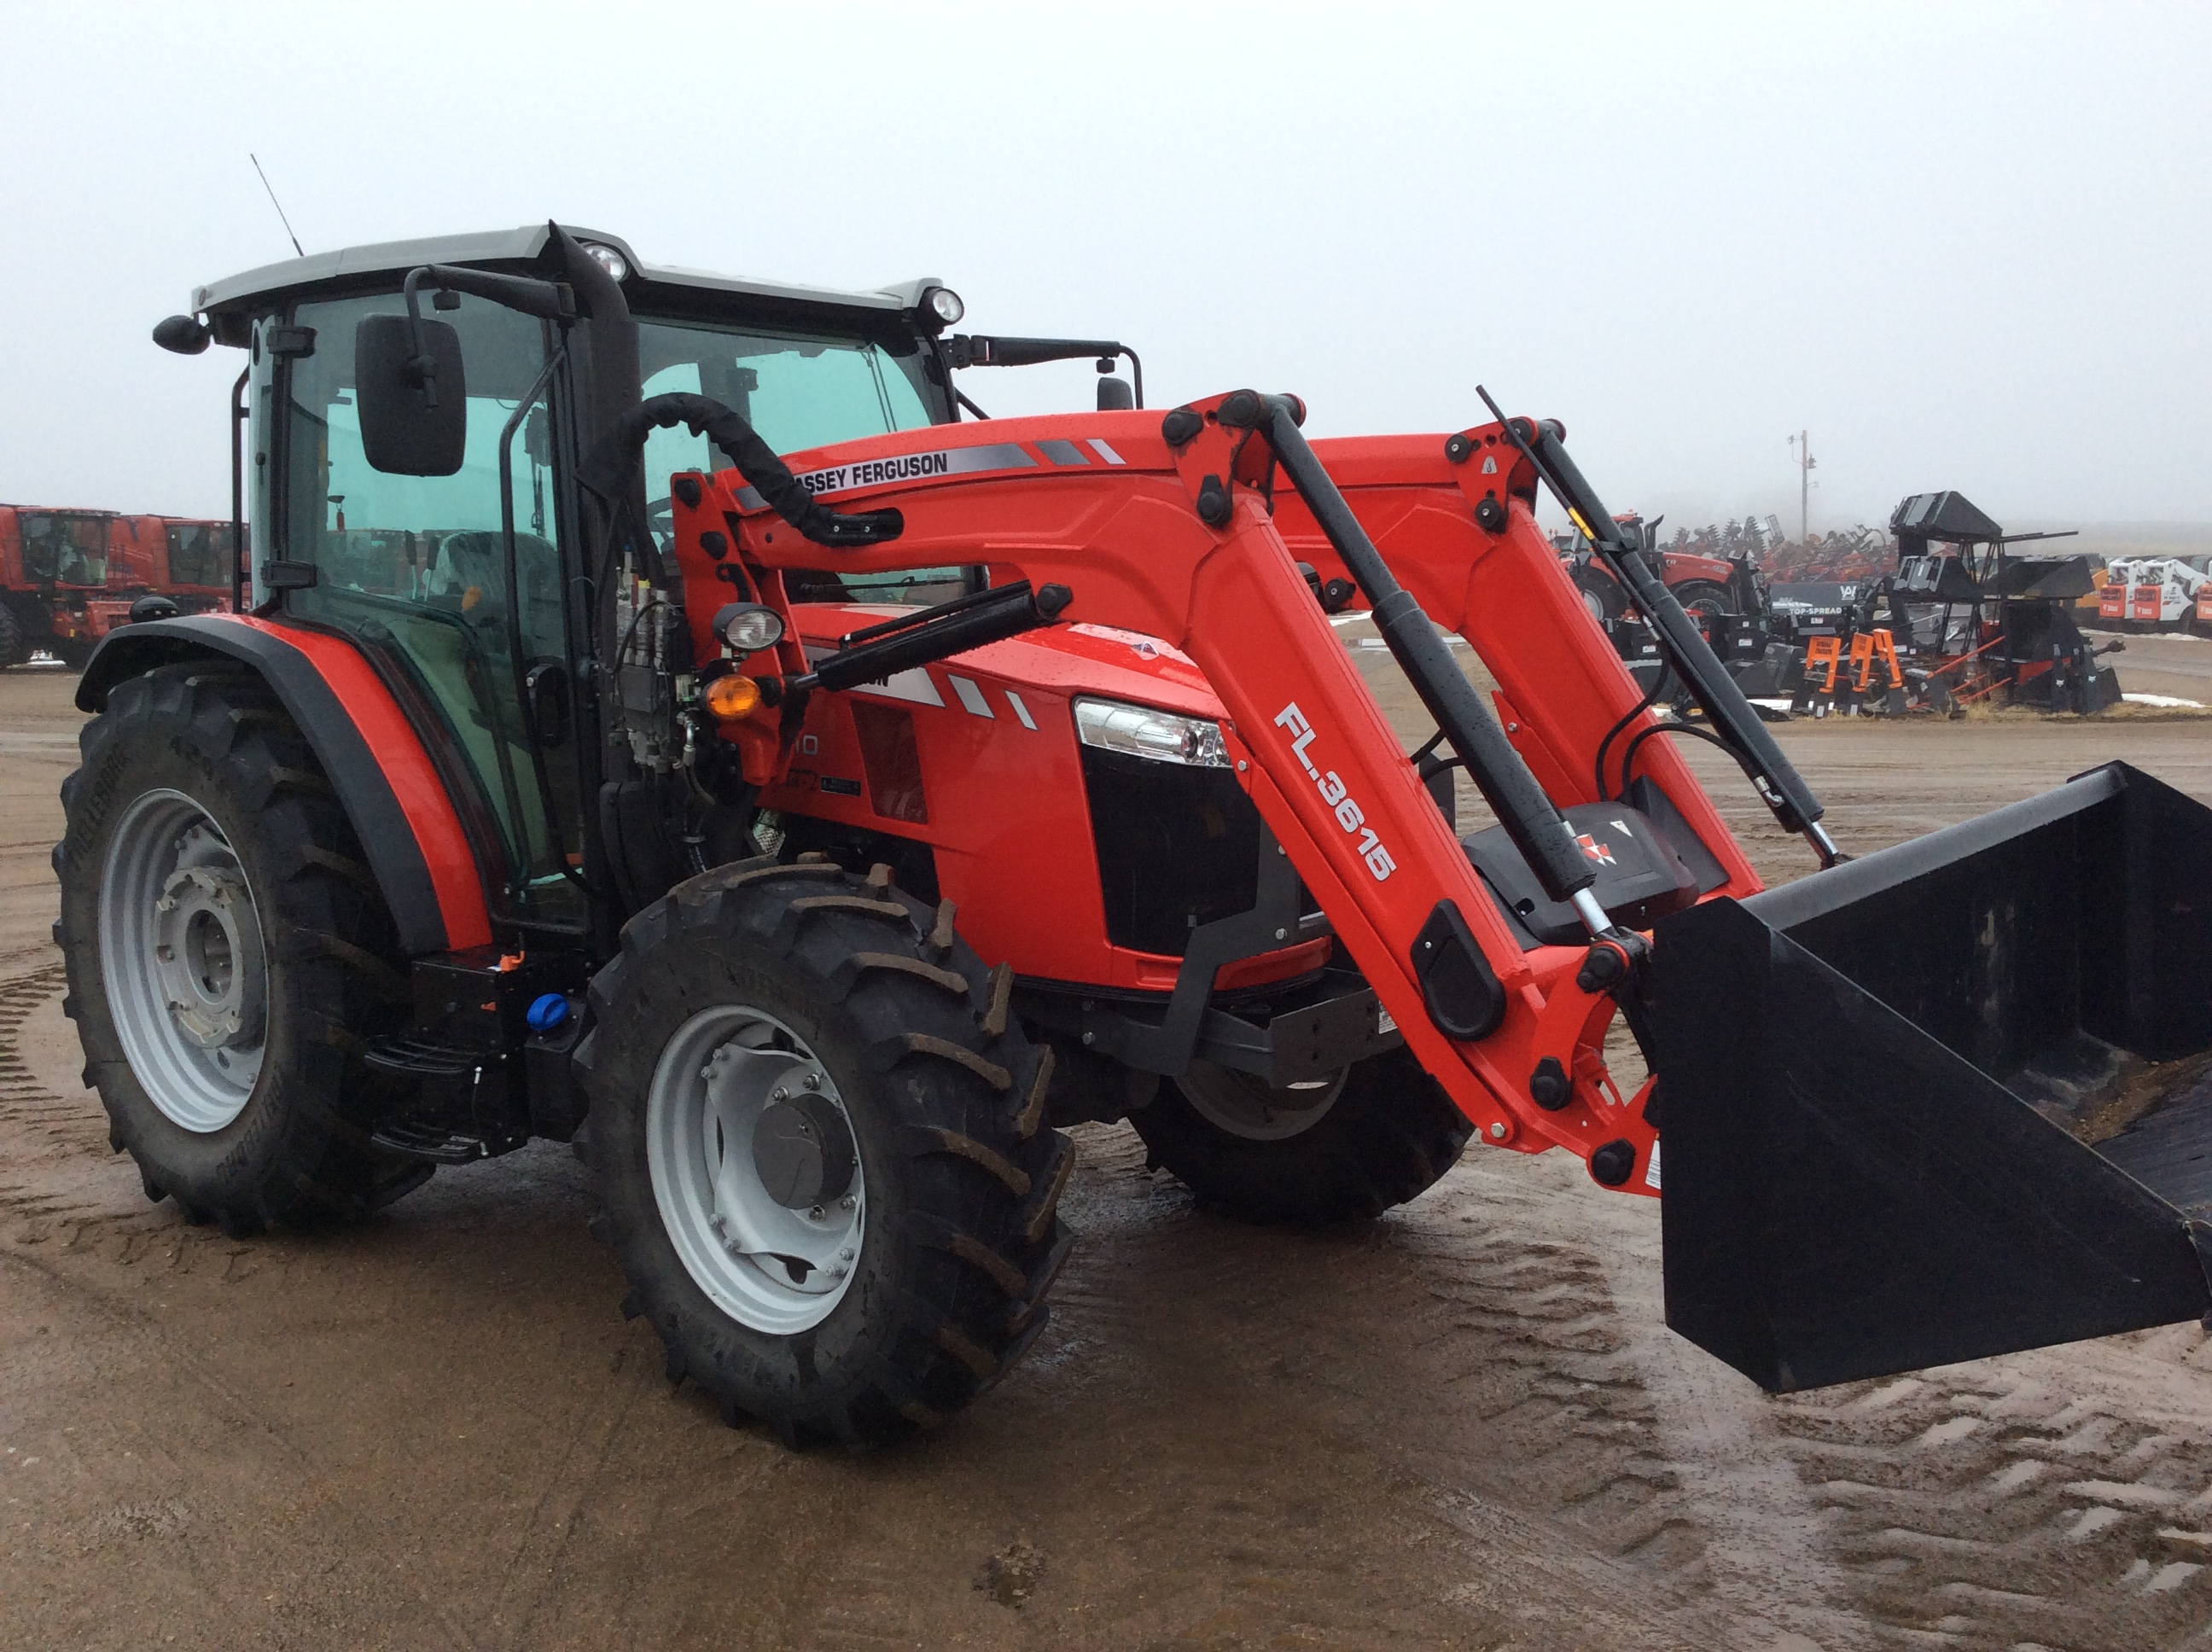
<point>1951,1100</point>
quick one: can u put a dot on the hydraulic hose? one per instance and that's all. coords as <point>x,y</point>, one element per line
<point>614,459</point>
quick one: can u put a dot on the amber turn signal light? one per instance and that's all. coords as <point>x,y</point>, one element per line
<point>731,697</point>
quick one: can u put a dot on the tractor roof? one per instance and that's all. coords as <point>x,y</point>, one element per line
<point>242,293</point>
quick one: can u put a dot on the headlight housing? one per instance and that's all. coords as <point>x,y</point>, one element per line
<point>748,626</point>
<point>1147,731</point>
<point>942,306</point>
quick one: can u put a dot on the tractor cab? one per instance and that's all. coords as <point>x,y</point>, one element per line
<point>469,591</point>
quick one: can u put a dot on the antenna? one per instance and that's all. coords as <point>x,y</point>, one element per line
<point>278,204</point>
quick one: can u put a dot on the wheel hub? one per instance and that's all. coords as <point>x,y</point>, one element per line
<point>755,1168</point>
<point>207,957</point>
<point>1245,1105</point>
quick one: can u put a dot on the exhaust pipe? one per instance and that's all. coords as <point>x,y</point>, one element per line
<point>1948,1100</point>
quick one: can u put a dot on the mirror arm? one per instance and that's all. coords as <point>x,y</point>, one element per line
<point>550,300</point>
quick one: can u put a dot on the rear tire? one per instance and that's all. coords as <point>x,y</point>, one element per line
<point>880,1304</point>
<point>1385,1138</point>
<point>1704,601</point>
<point>12,649</point>
<point>243,1096</point>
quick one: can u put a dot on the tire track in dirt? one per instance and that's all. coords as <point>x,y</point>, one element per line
<point>2060,1498</point>
<point>1472,1337</point>
<point>59,1177</point>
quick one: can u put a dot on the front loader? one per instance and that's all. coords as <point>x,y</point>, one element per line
<point>518,806</point>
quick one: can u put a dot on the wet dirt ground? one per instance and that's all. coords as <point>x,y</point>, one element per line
<point>1463,1425</point>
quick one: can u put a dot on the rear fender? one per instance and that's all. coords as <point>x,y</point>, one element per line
<point>384,781</point>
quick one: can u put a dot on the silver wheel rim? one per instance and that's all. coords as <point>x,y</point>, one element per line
<point>1244,1105</point>
<point>182,959</point>
<point>771,1268</point>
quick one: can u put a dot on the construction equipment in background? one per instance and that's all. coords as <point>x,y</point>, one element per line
<point>395,873</point>
<point>2156,593</point>
<point>1969,623</point>
<point>1856,556</point>
<point>1716,578</point>
<point>1988,626</point>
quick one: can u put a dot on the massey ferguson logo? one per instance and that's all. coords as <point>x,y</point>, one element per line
<point>1593,850</point>
<point>1336,794</point>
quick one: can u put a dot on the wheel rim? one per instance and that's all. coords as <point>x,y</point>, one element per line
<point>1244,1105</point>
<point>727,1087</point>
<point>182,958</point>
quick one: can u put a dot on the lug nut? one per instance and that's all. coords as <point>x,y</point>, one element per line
<point>813,1081</point>
<point>815,1213</point>
<point>847,1202</point>
<point>781,1093</point>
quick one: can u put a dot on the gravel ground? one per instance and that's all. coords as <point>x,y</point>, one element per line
<point>1461,1426</point>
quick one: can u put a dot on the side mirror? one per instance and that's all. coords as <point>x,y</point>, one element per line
<point>414,411</point>
<point>182,334</point>
<point>1114,396</point>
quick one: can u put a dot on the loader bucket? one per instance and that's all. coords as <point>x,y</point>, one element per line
<point>1951,1100</point>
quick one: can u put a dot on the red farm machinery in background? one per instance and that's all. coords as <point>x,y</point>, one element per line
<point>69,577</point>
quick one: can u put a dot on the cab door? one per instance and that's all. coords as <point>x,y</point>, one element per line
<point>455,587</point>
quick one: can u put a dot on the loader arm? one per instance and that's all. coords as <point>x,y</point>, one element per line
<point>1170,540</point>
<point>1562,688</point>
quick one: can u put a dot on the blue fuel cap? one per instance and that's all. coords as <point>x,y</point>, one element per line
<point>547,1012</point>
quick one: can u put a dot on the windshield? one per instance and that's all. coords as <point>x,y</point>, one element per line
<point>199,553</point>
<point>64,547</point>
<point>798,391</point>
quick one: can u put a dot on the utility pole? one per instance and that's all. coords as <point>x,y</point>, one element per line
<point>1804,443</point>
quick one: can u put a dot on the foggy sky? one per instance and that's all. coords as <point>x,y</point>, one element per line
<point>1966,246</point>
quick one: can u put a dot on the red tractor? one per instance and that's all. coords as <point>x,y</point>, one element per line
<point>812,838</point>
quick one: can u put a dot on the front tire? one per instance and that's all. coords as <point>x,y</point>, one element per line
<point>818,1140</point>
<point>1380,1135</point>
<point>227,952</point>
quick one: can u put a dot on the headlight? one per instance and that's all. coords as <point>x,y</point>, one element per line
<point>944,303</point>
<point>749,627</point>
<point>616,265</point>
<point>1141,731</point>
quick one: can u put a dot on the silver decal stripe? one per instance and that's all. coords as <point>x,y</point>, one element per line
<point>1106,453</point>
<point>971,698</point>
<point>902,467</point>
<point>1062,453</point>
<point>1021,711</point>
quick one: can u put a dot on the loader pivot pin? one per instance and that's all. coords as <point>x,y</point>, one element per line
<point>1612,1163</point>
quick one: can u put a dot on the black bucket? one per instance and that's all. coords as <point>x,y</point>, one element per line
<point>1880,1087</point>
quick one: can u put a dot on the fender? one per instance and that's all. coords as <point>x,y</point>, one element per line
<point>385,779</point>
